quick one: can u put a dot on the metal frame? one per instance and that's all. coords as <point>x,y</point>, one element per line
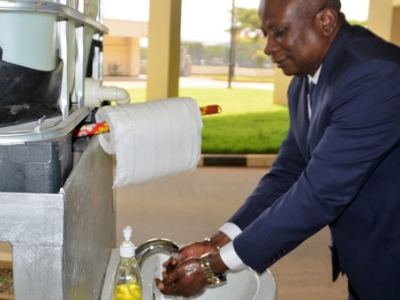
<point>50,129</point>
<point>61,243</point>
<point>68,18</point>
<point>62,11</point>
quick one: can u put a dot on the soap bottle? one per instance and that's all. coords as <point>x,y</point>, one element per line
<point>127,281</point>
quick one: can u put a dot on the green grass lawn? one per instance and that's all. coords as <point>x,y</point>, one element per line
<point>249,123</point>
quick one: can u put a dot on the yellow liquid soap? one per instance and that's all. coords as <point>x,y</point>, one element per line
<point>127,292</point>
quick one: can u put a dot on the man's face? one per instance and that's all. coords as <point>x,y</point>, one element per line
<point>294,39</point>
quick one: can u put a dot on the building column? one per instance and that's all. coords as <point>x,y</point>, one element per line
<point>395,37</point>
<point>380,18</point>
<point>134,61</point>
<point>163,52</point>
<point>281,84</point>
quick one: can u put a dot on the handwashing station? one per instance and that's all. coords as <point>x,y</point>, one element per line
<point>56,200</point>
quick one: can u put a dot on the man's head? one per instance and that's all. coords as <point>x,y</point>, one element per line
<point>299,32</point>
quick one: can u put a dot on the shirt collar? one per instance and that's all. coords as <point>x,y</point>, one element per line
<point>314,79</point>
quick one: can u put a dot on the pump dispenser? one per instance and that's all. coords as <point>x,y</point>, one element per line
<point>127,281</point>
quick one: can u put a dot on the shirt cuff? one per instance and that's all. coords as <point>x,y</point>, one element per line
<point>231,230</point>
<point>230,257</point>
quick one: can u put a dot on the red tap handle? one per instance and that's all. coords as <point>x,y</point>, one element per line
<point>91,129</point>
<point>210,109</point>
<point>96,128</point>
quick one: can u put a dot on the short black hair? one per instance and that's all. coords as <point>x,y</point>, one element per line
<point>336,4</point>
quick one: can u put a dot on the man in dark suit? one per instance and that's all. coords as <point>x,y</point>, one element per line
<point>339,165</point>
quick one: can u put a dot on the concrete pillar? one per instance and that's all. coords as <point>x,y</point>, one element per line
<point>380,18</point>
<point>134,47</point>
<point>280,87</point>
<point>395,36</point>
<point>163,53</point>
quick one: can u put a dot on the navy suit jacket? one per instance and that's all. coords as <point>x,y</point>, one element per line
<point>340,168</point>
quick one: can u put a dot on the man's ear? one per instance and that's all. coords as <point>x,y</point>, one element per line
<point>328,18</point>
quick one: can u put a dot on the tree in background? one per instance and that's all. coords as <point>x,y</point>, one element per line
<point>249,22</point>
<point>249,44</point>
<point>260,58</point>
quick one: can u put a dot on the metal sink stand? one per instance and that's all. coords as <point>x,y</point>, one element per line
<point>61,243</point>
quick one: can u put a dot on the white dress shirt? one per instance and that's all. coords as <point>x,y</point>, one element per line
<point>313,79</point>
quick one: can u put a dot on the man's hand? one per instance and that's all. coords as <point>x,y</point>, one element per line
<point>186,279</point>
<point>197,249</point>
<point>194,250</point>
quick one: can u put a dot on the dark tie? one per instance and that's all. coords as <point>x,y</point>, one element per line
<point>311,92</point>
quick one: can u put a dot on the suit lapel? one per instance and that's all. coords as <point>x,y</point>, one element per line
<point>303,118</point>
<point>319,119</point>
<point>309,132</point>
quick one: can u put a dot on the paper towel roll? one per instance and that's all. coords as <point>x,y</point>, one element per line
<point>152,139</point>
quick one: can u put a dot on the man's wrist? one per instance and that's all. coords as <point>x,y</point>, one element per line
<point>217,264</point>
<point>208,240</point>
<point>218,240</point>
<point>230,257</point>
<point>211,277</point>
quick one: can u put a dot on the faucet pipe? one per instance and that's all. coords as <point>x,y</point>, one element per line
<point>153,246</point>
<point>96,93</point>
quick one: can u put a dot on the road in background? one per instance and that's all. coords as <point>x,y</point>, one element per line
<point>185,82</point>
